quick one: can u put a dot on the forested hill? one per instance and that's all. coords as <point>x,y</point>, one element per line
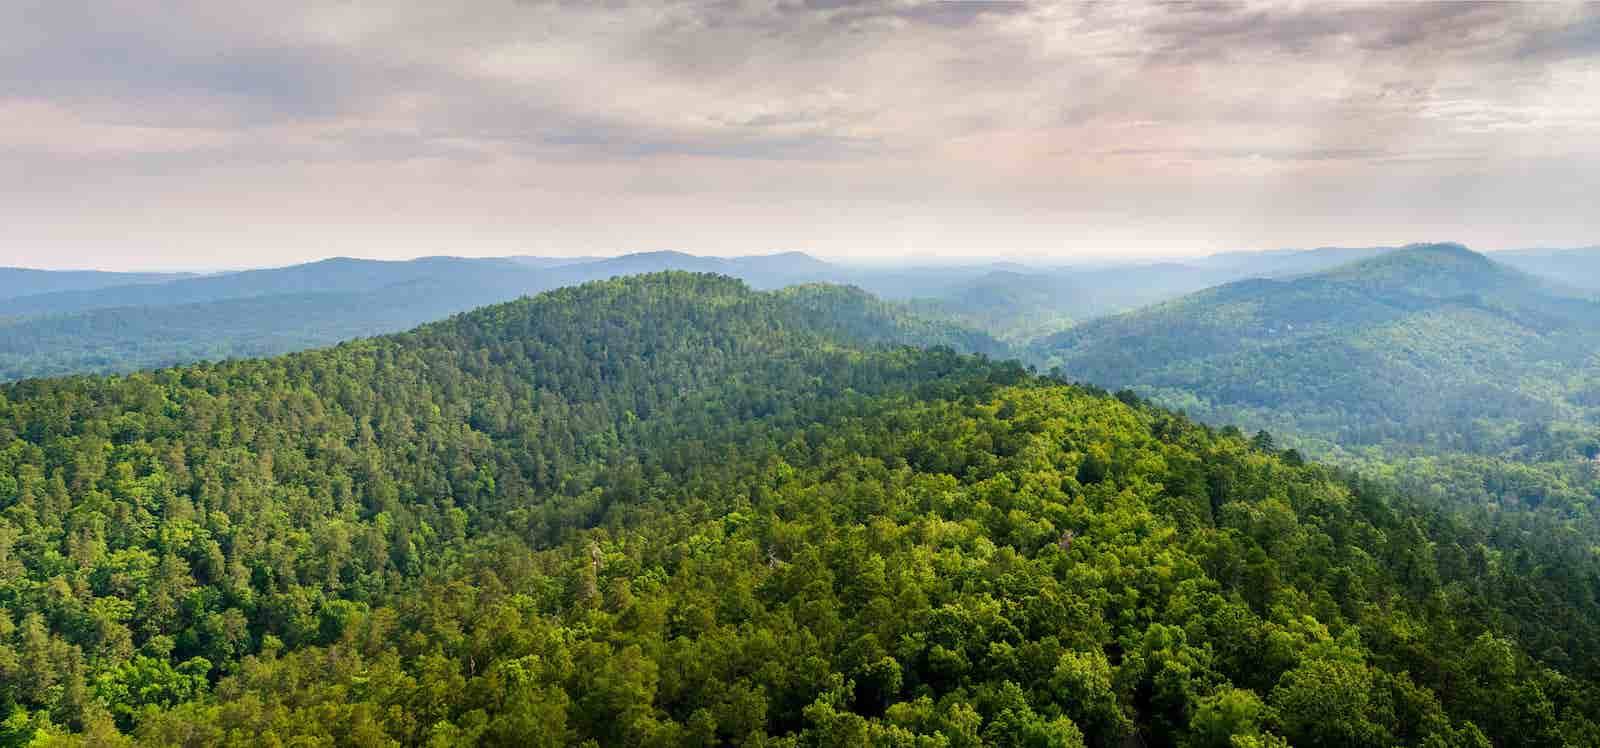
<point>846,312</point>
<point>1024,305</point>
<point>251,313</point>
<point>498,279</point>
<point>145,325</point>
<point>55,323</point>
<point>669,510</point>
<point>63,323</point>
<point>280,310</point>
<point>1428,345</point>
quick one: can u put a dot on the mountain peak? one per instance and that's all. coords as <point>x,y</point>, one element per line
<point>1448,247</point>
<point>790,256</point>
<point>1427,252</point>
<point>1441,251</point>
<point>1435,270</point>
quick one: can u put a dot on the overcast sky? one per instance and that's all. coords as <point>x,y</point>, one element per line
<point>197,133</point>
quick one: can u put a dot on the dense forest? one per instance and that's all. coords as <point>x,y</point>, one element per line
<point>670,510</point>
<point>1432,347</point>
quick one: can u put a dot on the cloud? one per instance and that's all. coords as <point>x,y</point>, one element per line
<point>975,111</point>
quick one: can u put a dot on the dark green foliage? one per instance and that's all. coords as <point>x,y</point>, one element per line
<point>1431,347</point>
<point>669,510</point>
<point>853,314</point>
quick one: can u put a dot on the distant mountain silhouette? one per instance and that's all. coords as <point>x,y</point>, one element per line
<point>1579,268</point>
<point>16,282</point>
<point>278,310</point>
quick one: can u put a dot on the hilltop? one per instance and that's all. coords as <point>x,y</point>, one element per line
<point>670,510</point>
<point>66,323</point>
<point>130,322</point>
<point>1428,344</point>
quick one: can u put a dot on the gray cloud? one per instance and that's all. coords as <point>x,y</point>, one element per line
<point>879,125</point>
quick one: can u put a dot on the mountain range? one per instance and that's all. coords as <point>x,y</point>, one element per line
<point>27,281</point>
<point>64,322</point>
<point>146,324</point>
<point>1340,348</point>
<point>673,510</point>
<point>1579,268</point>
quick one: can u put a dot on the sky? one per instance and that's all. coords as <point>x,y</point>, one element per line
<point>196,133</point>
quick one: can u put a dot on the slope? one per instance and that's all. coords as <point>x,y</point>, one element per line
<point>1279,263</point>
<point>142,325</point>
<point>16,282</point>
<point>146,337</point>
<point>1431,344</point>
<point>670,510</point>
<point>849,312</point>
<point>336,275</point>
<point>1575,267</point>
<point>1023,305</point>
<point>268,312</point>
<point>350,275</point>
<point>1016,306</point>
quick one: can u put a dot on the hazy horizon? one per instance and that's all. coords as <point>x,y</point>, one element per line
<point>864,262</point>
<point>206,136</point>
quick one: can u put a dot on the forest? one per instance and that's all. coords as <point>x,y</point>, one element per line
<point>1430,351</point>
<point>673,510</point>
<point>800,374</point>
<point>56,323</point>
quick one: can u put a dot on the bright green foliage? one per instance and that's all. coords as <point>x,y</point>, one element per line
<point>671,511</point>
<point>1227,715</point>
